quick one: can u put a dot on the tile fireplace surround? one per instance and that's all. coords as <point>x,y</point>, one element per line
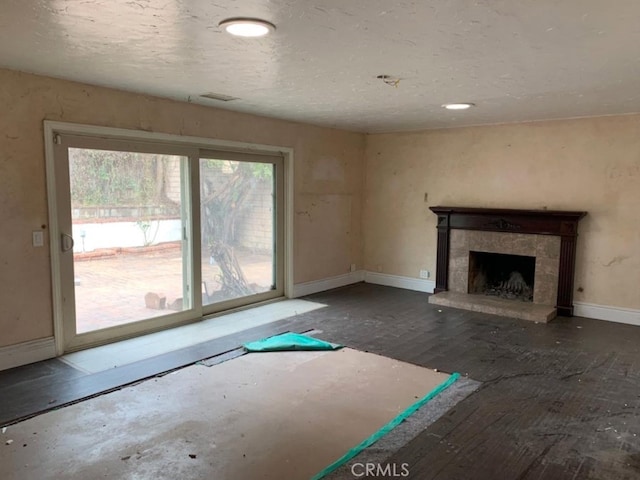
<point>549,236</point>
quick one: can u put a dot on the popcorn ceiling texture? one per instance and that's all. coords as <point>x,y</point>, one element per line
<point>517,60</point>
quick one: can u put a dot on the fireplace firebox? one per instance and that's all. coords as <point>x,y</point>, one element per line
<point>511,277</point>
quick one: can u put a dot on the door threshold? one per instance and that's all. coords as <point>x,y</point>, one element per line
<point>113,355</point>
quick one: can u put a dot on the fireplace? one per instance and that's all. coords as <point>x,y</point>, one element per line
<point>487,258</point>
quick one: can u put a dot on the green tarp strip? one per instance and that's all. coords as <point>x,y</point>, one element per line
<point>387,428</point>
<point>289,341</point>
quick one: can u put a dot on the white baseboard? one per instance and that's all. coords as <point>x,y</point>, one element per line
<point>27,352</point>
<point>408,283</point>
<point>315,286</point>
<point>605,312</point>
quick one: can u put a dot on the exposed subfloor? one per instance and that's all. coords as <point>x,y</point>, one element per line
<point>558,400</point>
<point>219,422</point>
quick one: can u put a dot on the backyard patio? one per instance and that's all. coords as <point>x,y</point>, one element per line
<point>111,285</point>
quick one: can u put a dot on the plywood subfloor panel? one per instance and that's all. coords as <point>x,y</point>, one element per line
<point>267,415</point>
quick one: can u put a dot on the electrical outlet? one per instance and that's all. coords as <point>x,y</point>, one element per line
<point>353,267</point>
<point>37,238</point>
<point>424,274</point>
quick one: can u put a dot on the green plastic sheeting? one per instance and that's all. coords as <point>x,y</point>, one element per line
<point>289,341</point>
<point>387,428</point>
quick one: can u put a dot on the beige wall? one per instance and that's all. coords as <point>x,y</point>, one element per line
<point>328,182</point>
<point>588,164</point>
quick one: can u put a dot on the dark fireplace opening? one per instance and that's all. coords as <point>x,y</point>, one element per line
<point>502,275</point>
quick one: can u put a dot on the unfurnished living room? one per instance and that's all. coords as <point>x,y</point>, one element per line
<point>319,240</point>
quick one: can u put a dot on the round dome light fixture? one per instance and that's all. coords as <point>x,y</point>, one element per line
<point>247,27</point>
<point>458,106</point>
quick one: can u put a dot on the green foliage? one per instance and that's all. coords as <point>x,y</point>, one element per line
<point>262,171</point>
<point>144,226</point>
<point>258,171</point>
<point>101,177</point>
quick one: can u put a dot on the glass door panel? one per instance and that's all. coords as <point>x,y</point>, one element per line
<point>128,236</point>
<point>237,217</point>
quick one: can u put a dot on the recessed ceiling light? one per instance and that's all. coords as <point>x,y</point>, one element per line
<point>247,27</point>
<point>458,106</point>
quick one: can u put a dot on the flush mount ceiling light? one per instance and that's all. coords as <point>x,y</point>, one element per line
<point>458,106</point>
<point>247,27</point>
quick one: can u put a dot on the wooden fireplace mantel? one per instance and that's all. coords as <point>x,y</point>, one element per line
<point>537,222</point>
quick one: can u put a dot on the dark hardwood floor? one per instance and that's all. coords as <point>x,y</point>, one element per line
<point>558,400</point>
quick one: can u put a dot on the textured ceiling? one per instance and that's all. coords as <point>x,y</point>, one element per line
<point>516,60</point>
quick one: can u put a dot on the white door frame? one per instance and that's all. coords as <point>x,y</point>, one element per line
<point>52,128</point>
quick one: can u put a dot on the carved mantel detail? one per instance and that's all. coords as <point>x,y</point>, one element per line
<point>539,222</point>
<point>503,224</point>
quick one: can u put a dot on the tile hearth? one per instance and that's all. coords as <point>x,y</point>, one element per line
<point>495,306</point>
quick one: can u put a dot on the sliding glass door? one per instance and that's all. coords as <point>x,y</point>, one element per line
<point>149,235</point>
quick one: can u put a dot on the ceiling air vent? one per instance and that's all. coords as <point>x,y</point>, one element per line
<point>218,97</point>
